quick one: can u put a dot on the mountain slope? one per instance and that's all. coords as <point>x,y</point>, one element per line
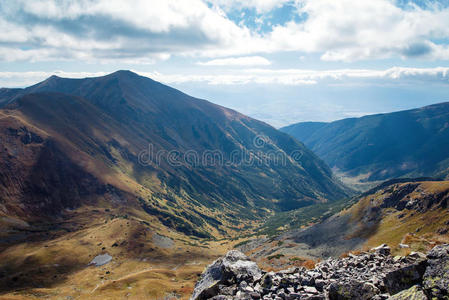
<point>408,143</point>
<point>409,212</point>
<point>125,166</point>
<point>136,136</point>
<point>7,95</point>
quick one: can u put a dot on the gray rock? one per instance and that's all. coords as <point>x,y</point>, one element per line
<point>221,297</point>
<point>101,260</point>
<point>375,275</point>
<point>382,249</point>
<point>267,280</point>
<point>416,255</point>
<point>228,290</point>
<point>162,241</point>
<point>223,270</point>
<point>293,296</point>
<point>353,289</point>
<point>255,295</point>
<point>319,284</point>
<point>436,277</point>
<point>413,293</point>
<point>310,290</point>
<point>405,277</point>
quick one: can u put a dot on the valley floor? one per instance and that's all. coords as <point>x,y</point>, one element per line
<point>53,262</point>
<point>150,261</point>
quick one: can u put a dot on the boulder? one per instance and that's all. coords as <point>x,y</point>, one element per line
<point>436,277</point>
<point>101,260</point>
<point>405,276</point>
<point>267,280</point>
<point>413,293</point>
<point>352,289</point>
<point>233,267</point>
<point>382,250</point>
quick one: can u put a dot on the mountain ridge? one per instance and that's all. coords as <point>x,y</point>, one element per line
<point>105,124</point>
<point>382,146</point>
<point>98,166</point>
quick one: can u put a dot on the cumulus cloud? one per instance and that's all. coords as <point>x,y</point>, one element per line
<point>112,29</point>
<point>147,31</point>
<point>348,30</point>
<point>238,61</point>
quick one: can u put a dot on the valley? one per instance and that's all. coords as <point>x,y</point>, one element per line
<point>162,184</point>
<point>408,216</point>
<point>78,179</point>
<point>224,150</point>
<point>54,263</point>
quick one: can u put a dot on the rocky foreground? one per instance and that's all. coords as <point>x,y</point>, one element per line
<point>370,275</point>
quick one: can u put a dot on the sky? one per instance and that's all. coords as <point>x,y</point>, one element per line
<point>280,61</point>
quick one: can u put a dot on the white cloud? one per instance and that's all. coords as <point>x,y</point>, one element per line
<point>261,6</point>
<point>238,61</point>
<point>114,30</point>
<point>24,79</point>
<point>257,76</point>
<point>309,77</point>
<point>347,30</point>
<point>438,73</point>
<point>228,79</point>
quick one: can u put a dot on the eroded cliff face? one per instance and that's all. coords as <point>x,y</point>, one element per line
<point>370,275</point>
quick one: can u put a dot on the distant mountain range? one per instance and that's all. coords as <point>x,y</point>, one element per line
<point>128,140</point>
<point>409,143</point>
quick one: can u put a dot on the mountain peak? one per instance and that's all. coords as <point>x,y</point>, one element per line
<point>50,81</point>
<point>116,74</point>
<point>123,73</point>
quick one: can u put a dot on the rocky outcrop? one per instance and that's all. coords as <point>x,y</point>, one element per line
<point>413,293</point>
<point>370,275</point>
<point>436,277</point>
<point>224,273</point>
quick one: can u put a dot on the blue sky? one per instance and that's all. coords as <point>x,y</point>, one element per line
<point>281,61</point>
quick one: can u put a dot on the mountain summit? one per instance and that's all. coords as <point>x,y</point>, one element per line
<point>196,166</point>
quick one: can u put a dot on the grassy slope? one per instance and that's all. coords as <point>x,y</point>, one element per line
<point>366,221</point>
<point>171,120</point>
<point>72,188</point>
<point>57,266</point>
<point>48,257</point>
<point>418,229</point>
<point>383,146</point>
<point>302,217</point>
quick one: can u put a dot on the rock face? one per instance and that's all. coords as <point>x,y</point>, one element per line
<point>413,293</point>
<point>227,271</point>
<point>436,277</point>
<point>370,275</point>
